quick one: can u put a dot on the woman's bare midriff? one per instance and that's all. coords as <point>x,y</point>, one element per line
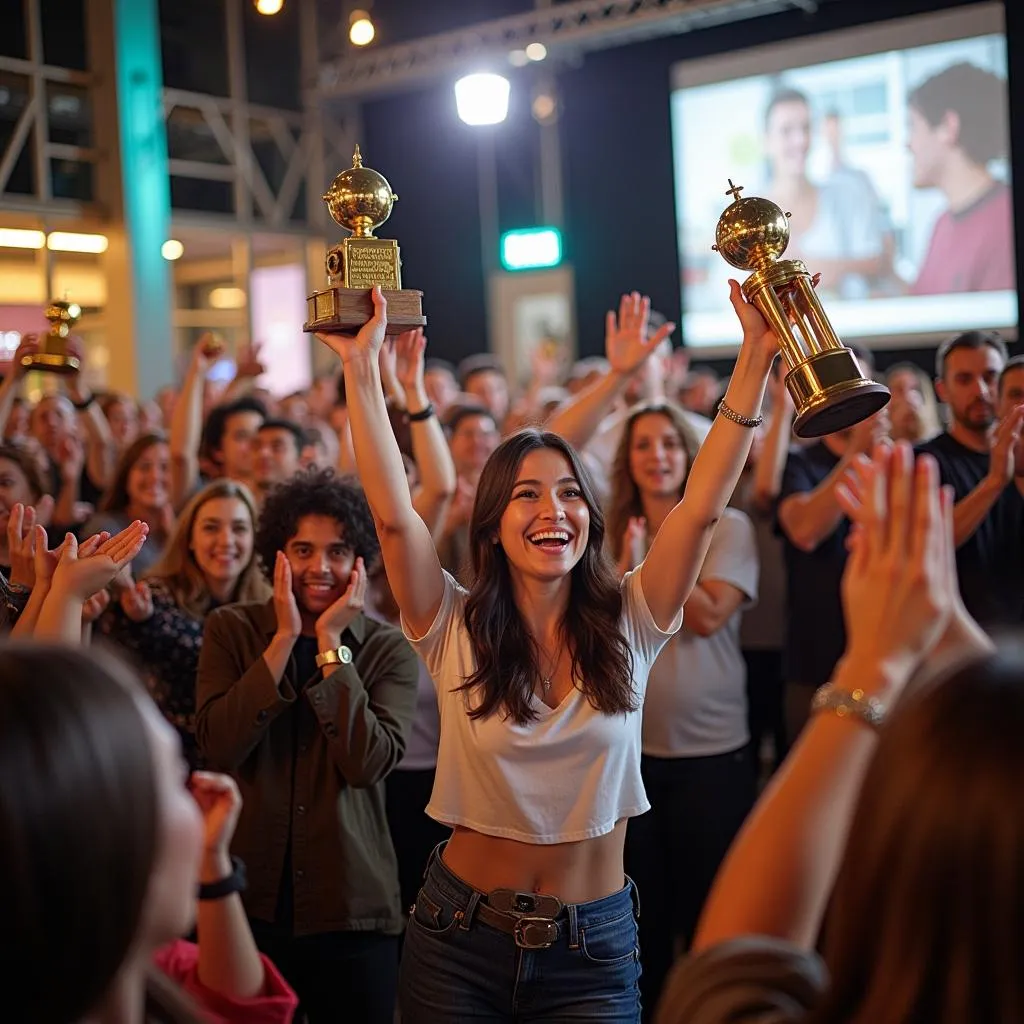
<point>574,872</point>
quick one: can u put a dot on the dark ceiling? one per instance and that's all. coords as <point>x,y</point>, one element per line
<point>398,21</point>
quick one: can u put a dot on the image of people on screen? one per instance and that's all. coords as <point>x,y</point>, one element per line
<point>956,129</point>
<point>837,225</point>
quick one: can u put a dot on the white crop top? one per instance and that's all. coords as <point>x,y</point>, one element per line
<point>569,775</point>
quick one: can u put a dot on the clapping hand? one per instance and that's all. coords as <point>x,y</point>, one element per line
<point>82,570</point>
<point>626,341</point>
<point>286,609</point>
<point>409,350</point>
<point>338,617</point>
<point>21,538</point>
<point>899,589</point>
<point>136,600</point>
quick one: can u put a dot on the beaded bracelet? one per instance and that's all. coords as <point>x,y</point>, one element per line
<point>870,710</point>
<point>744,421</point>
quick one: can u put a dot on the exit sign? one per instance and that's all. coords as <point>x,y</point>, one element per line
<point>531,249</point>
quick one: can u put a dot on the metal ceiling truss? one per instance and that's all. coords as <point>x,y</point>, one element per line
<point>574,26</point>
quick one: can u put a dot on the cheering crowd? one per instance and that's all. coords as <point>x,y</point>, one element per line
<point>420,696</point>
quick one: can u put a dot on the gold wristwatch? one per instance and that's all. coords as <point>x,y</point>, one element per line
<point>335,656</point>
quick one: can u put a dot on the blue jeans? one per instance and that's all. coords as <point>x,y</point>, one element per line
<point>456,968</point>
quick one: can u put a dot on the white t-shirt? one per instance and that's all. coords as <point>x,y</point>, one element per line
<point>697,695</point>
<point>569,775</point>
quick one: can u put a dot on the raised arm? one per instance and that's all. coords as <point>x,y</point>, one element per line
<point>902,609</point>
<point>429,445</point>
<point>673,563</point>
<point>101,452</point>
<point>11,385</point>
<point>408,549</point>
<point>627,347</point>
<point>187,420</point>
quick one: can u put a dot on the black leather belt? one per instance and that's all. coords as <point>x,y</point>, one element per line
<point>529,917</point>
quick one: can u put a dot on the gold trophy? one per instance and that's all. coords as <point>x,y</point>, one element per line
<point>53,355</point>
<point>361,200</point>
<point>828,389</point>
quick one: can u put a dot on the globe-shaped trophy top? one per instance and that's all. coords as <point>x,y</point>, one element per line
<point>752,232</point>
<point>360,198</point>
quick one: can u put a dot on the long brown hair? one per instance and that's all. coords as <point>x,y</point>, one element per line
<point>625,495</point>
<point>177,567</point>
<point>505,653</point>
<point>78,816</point>
<point>26,461</point>
<point>927,920</point>
<point>115,498</point>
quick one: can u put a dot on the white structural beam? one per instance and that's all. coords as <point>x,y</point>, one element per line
<point>579,25</point>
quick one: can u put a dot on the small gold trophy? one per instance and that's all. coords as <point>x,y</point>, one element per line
<point>828,389</point>
<point>53,355</point>
<point>361,199</point>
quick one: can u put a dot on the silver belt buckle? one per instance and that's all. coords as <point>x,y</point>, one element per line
<point>535,932</point>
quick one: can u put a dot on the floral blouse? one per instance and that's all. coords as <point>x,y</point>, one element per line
<point>166,649</point>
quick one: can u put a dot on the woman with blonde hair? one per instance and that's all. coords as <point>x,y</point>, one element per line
<point>209,561</point>
<point>913,411</point>
<point>696,761</point>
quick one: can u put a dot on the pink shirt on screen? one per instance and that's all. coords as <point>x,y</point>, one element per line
<point>276,1004</point>
<point>971,251</point>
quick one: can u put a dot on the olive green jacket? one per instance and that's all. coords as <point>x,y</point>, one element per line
<point>343,734</point>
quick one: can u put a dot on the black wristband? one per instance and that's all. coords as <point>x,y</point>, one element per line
<point>423,414</point>
<point>235,882</point>
<point>85,403</point>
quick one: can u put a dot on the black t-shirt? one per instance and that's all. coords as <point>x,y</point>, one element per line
<point>815,632</point>
<point>990,563</point>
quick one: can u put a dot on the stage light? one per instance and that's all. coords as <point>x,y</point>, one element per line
<point>361,30</point>
<point>536,51</point>
<point>482,98</point>
<point>172,249</point>
<point>70,241</point>
<point>20,238</point>
<point>531,249</point>
<point>269,6</point>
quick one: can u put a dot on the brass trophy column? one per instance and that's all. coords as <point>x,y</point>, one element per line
<point>53,355</point>
<point>828,389</point>
<point>361,199</point>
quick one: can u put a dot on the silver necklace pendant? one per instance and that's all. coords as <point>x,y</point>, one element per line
<point>546,684</point>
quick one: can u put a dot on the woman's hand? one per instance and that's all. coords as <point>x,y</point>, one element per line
<point>71,458</point>
<point>367,343</point>
<point>221,803</point>
<point>409,350</point>
<point>83,570</point>
<point>206,351</point>
<point>634,542</point>
<point>286,610</point>
<point>137,601</point>
<point>338,617</point>
<point>626,341</point>
<point>95,607</point>
<point>899,589</point>
<point>21,544</point>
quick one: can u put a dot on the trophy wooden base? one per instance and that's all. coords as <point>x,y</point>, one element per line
<point>347,309</point>
<point>52,362</point>
<point>830,393</point>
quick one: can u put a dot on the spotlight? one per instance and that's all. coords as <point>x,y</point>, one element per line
<point>361,30</point>
<point>482,98</point>
<point>536,51</point>
<point>269,6</point>
<point>172,249</point>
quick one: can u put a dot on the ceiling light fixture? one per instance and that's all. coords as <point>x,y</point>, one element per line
<point>361,30</point>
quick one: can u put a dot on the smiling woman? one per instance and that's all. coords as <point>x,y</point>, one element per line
<point>541,668</point>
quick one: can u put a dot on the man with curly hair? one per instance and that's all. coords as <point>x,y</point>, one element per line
<point>308,703</point>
